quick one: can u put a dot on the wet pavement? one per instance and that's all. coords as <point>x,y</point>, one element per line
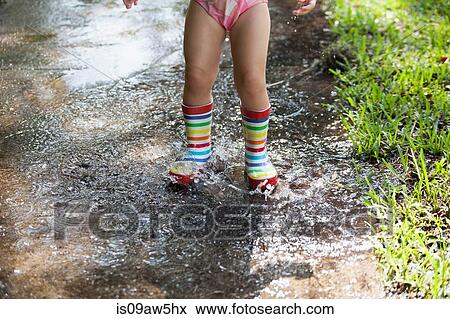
<point>90,119</point>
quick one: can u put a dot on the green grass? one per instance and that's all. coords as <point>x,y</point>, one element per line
<point>39,37</point>
<point>395,104</point>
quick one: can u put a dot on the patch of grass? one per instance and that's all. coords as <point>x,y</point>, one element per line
<point>395,105</point>
<point>337,56</point>
<point>38,37</point>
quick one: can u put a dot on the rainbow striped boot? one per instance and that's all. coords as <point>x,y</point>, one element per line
<point>197,120</point>
<point>261,174</point>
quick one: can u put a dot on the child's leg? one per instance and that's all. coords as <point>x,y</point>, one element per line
<point>250,41</point>
<point>249,44</point>
<point>203,42</point>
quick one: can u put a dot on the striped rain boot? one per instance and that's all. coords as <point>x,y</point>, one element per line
<point>197,120</point>
<point>261,174</point>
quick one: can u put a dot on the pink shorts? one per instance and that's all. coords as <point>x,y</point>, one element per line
<point>227,12</point>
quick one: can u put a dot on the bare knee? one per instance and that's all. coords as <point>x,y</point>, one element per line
<point>198,83</point>
<point>250,83</point>
<point>252,90</point>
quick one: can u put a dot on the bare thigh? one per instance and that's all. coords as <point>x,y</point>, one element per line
<point>203,41</point>
<point>249,45</point>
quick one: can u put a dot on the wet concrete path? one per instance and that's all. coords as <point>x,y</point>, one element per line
<point>89,119</point>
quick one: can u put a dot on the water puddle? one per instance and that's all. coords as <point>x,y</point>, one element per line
<point>90,119</point>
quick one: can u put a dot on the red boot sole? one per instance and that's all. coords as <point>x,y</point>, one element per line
<point>184,180</point>
<point>254,183</point>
